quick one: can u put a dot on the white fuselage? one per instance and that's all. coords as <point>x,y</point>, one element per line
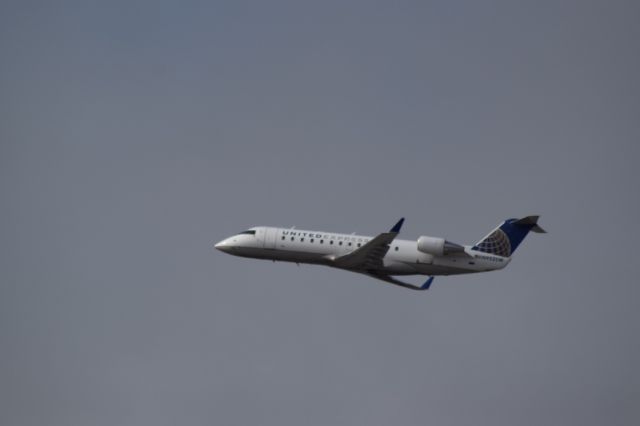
<point>317,247</point>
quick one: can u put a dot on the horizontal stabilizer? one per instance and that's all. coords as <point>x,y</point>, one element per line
<point>531,221</point>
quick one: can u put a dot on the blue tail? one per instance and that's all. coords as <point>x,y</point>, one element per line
<point>505,239</point>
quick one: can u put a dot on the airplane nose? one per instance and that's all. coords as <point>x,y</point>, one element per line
<point>223,246</point>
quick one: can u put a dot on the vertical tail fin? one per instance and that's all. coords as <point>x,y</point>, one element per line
<point>505,239</point>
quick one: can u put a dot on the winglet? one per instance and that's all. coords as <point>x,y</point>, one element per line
<point>397,226</point>
<point>427,284</point>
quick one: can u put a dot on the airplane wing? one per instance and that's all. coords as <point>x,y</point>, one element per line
<point>370,255</point>
<point>397,282</point>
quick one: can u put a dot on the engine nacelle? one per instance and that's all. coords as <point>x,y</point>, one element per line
<point>438,246</point>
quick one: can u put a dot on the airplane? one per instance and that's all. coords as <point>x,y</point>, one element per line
<point>383,256</point>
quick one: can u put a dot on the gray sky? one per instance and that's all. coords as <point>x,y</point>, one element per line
<point>136,134</point>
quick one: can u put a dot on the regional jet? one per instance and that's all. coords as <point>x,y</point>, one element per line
<point>384,256</point>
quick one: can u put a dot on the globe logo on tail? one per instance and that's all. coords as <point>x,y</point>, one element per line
<point>497,243</point>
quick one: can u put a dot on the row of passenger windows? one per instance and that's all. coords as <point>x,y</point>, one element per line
<point>311,240</point>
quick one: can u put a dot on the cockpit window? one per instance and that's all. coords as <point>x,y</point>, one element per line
<point>249,232</point>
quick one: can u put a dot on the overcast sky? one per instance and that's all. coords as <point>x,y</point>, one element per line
<point>136,134</point>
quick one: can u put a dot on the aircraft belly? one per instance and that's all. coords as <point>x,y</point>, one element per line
<point>281,255</point>
<point>440,270</point>
<point>400,268</point>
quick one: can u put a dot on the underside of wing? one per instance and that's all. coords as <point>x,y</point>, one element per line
<point>394,281</point>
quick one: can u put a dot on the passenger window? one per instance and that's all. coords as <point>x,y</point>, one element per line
<point>359,244</point>
<point>331,242</point>
<point>321,241</point>
<point>396,248</point>
<point>292,238</point>
<point>349,243</point>
<point>311,240</point>
<point>340,243</point>
<point>301,240</point>
<point>282,237</point>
